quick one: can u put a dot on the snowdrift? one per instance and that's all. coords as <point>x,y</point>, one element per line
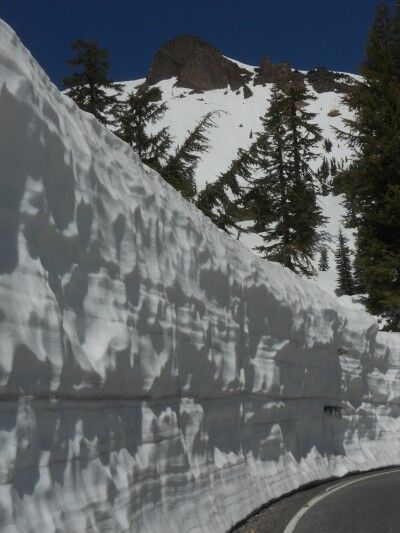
<point>154,374</point>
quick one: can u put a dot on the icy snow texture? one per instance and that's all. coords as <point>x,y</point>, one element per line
<point>154,374</point>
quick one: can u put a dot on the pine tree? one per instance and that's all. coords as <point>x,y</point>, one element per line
<point>345,281</point>
<point>328,146</point>
<point>358,275</point>
<point>215,203</point>
<point>372,182</point>
<point>323,265</point>
<point>217,200</point>
<point>90,86</point>
<point>141,110</point>
<point>323,177</point>
<point>179,169</point>
<point>282,199</point>
<point>333,165</point>
<point>267,199</point>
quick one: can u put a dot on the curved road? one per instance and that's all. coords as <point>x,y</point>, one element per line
<point>365,503</point>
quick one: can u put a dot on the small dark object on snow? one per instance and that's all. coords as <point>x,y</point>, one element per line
<point>333,409</point>
<point>343,351</point>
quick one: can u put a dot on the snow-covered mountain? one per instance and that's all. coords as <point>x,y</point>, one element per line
<point>154,374</point>
<point>195,78</point>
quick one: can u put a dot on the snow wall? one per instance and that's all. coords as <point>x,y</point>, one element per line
<point>154,374</point>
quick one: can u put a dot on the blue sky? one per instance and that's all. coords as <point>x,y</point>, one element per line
<point>308,33</point>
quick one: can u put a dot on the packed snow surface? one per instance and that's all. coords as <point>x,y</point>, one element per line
<point>154,374</point>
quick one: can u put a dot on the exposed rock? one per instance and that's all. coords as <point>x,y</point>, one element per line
<point>247,92</point>
<point>281,74</point>
<point>197,65</point>
<point>334,113</point>
<point>323,80</point>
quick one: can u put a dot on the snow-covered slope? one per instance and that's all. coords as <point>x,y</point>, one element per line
<point>240,116</point>
<point>235,128</point>
<point>154,374</point>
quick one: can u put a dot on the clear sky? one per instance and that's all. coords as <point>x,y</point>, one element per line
<point>308,33</point>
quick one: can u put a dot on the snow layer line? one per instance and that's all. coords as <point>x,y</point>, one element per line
<point>154,374</point>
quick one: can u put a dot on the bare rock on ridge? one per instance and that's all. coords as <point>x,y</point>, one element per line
<point>280,74</point>
<point>323,80</point>
<point>197,65</point>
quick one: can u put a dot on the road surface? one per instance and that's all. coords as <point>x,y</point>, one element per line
<point>365,503</point>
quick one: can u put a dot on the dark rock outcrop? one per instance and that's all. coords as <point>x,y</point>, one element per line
<point>197,65</point>
<point>280,74</point>
<point>247,92</point>
<point>323,80</point>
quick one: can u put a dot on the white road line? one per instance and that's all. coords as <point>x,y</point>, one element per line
<point>297,517</point>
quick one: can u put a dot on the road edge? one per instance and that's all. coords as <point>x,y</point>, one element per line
<point>303,488</point>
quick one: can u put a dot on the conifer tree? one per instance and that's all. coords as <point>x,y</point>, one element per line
<point>328,146</point>
<point>333,165</point>
<point>323,177</point>
<point>323,265</point>
<point>179,169</point>
<point>372,182</point>
<point>215,203</point>
<point>359,284</point>
<point>90,86</point>
<point>142,109</point>
<point>282,198</point>
<point>217,200</point>
<point>345,281</point>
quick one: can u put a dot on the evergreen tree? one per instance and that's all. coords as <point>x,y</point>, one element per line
<point>180,166</point>
<point>217,200</point>
<point>282,198</point>
<point>359,285</point>
<point>141,109</point>
<point>90,86</point>
<point>323,265</point>
<point>345,282</point>
<point>215,203</point>
<point>333,166</point>
<point>328,146</point>
<point>323,177</point>
<point>372,182</point>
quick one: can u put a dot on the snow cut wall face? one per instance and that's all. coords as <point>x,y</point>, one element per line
<point>154,374</point>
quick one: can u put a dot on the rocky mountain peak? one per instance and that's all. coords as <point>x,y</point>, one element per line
<point>199,66</point>
<point>196,64</point>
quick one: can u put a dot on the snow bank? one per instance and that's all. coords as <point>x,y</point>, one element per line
<point>154,374</point>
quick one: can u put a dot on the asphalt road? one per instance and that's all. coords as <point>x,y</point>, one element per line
<point>365,503</point>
